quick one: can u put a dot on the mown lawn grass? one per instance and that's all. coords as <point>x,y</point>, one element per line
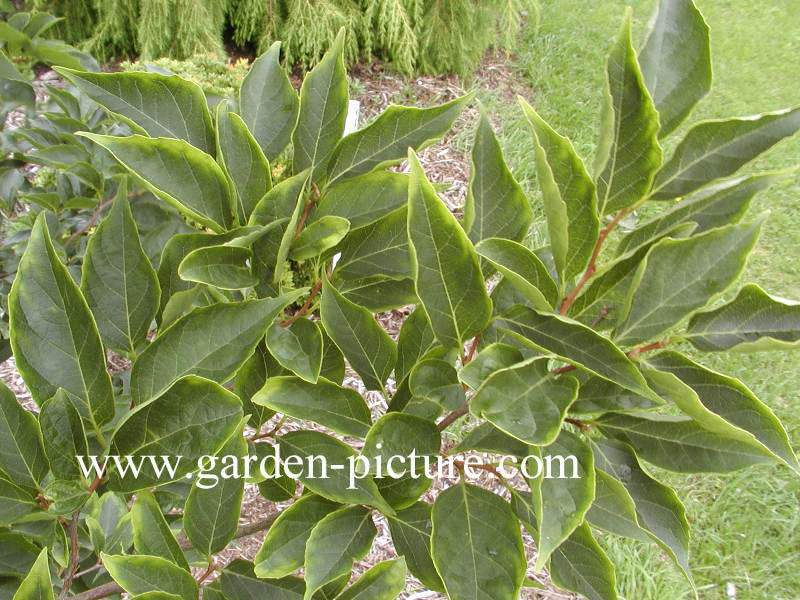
<point>745,526</point>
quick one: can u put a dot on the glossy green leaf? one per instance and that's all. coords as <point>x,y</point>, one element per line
<point>416,338</point>
<point>402,492</point>
<point>250,378</point>
<point>523,269</point>
<point>676,61</point>
<point>380,248</point>
<point>15,502</point>
<point>628,155</point>
<point>658,508</point>
<point>211,513</point>
<point>576,344</point>
<point>722,404</point>
<point>53,334</point>
<point>437,380</point>
<point>400,434</point>
<point>720,204</point>
<point>476,544</point>
<point>118,282</point>
<point>225,267</point>
<point>37,584</point>
<point>568,195</point>
<point>297,347</point>
<point>17,554</point>
<point>598,395</point>
<point>411,534</point>
<point>268,103</point>
<point>336,486</point>
<point>178,173</point>
<point>752,321</point>
<point>496,205</point>
<point>332,360</point>
<point>151,533</point>
<point>680,444</point>
<point>488,361</point>
<point>63,436</point>
<point>379,294</point>
<point>243,160</point>
<point>384,581</point>
<point>142,574</point>
<point>715,149</point>
<point>448,277</point>
<point>192,418</point>
<point>562,498</point>
<point>679,276</point>
<point>323,111</point>
<point>613,509</point>
<point>387,139</point>
<point>338,540</point>
<point>22,456</point>
<point>319,236</point>
<point>364,199</point>
<point>201,343</point>
<point>525,401</point>
<point>580,565</point>
<point>163,106</point>
<point>367,347</point>
<point>341,409</point>
<point>284,547</point>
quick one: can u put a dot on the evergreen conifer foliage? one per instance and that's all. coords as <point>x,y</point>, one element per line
<point>568,360</point>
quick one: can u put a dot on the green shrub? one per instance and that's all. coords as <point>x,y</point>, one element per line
<point>217,77</point>
<point>568,357</point>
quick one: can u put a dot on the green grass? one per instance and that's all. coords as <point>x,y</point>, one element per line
<point>745,526</point>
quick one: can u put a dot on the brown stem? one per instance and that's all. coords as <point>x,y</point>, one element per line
<point>649,348</point>
<point>270,433</point>
<point>211,568</point>
<point>482,467</point>
<point>306,305</point>
<point>111,588</point>
<point>591,268</point>
<point>72,568</point>
<point>566,369</point>
<point>453,416</point>
<point>90,223</point>
<point>578,423</point>
<point>473,348</point>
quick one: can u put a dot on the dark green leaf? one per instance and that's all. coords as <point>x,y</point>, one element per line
<point>411,534</point>
<point>414,341</point>
<point>37,584</point>
<point>319,236</point>
<point>224,267</point>
<point>22,456</point>
<point>488,361</point>
<point>399,434</point>
<point>380,248</point>
<point>151,533</point>
<point>384,581</point>
<point>63,435</point>
<point>437,380</point>
<point>598,395</point>
<point>580,565</point>
<point>142,574</point>
<point>613,509</point>
<point>15,502</point>
<point>250,378</point>
<point>297,347</point>
<point>364,199</point>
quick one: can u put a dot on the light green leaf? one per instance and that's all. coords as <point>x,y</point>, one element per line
<point>569,197</point>
<point>523,269</point>
<point>387,139</point>
<point>364,199</point>
<point>332,360</point>
<point>576,344</point>
<point>336,486</point>
<point>613,509</point>
<point>268,103</point>
<point>379,294</point>
<point>679,444</point>
<point>580,565</point>
<point>400,434</point>
<point>679,276</point>
<point>628,155</point>
<point>384,581</point>
<point>53,334</point>
<point>239,581</point>
<point>15,502</point>
<point>211,514</point>
<point>658,508</point>
<point>496,205</point>
<point>598,395</point>
<point>476,544</point>
<point>243,160</point>
<point>488,361</point>
<point>192,418</point>
<point>414,341</point>
<point>323,112</point>
<point>250,378</point>
<point>715,149</point>
<point>448,277</point>
<point>525,401</point>
<point>367,347</point>
<point>63,436</point>
<point>337,541</point>
<point>437,380</point>
<point>163,106</point>
<point>201,343</point>
<point>752,321</point>
<point>676,61</point>
<point>178,173</point>
<point>719,204</point>
<point>319,236</point>
<point>117,280</point>
<point>377,249</point>
<point>224,267</point>
<point>17,554</point>
<point>284,547</point>
<point>151,533</point>
<point>341,409</point>
<point>37,584</point>
<point>411,534</point>
<point>22,456</point>
<point>721,404</point>
<point>297,347</point>
<point>561,500</point>
<point>142,574</point>
<point>488,438</point>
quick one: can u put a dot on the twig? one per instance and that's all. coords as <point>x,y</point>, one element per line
<point>270,433</point>
<point>583,426</point>
<point>630,354</point>
<point>211,568</point>
<point>591,268</point>
<point>453,416</point>
<point>473,348</point>
<point>72,568</point>
<point>460,465</point>
<point>306,305</point>
<point>90,223</point>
